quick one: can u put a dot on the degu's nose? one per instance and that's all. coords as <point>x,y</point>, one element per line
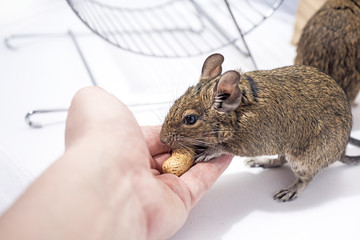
<point>162,137</point>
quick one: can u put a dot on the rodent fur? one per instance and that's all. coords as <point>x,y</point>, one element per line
<point>330,41</point>
<point>297,112</point>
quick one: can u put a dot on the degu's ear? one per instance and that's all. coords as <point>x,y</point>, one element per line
<point>227,94</point>
<point>212,66</point>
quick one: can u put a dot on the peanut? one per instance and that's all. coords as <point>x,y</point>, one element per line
<point>179,162</point>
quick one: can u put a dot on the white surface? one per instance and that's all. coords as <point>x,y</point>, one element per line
<point>45,73</point>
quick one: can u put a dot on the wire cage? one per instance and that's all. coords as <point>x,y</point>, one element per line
<point>165,28</point>
<point>175,28</point>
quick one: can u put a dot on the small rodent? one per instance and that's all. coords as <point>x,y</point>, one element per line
<point>330,41</point>
<point>296,112</point>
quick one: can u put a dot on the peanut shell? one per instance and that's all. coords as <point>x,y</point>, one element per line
<point>179,162</point>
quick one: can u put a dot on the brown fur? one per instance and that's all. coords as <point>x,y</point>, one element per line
<point>330,42</point>
<point>297,112</point>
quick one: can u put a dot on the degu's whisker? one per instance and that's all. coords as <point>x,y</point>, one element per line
<point>195,141</point>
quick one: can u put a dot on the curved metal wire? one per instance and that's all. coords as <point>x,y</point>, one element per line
<point>39,124</point>
<point>178,28</point>
<point>143,31</point>
<point>32,113</point>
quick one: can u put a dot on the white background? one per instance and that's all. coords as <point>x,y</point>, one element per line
<point>46,72</point>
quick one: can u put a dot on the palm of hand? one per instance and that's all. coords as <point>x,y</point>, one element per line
<point>165,199</point>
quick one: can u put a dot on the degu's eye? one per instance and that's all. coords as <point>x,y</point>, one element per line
<point>190,119</point>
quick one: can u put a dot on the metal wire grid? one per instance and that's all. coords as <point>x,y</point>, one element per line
<point>177,28</point>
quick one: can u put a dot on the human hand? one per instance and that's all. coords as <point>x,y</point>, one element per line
<point>108,183</point>
<point>166,199</point>
<point>188,188</point>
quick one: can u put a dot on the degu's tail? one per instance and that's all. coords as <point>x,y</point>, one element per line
<point>351,160</point>
<point>354,142</point>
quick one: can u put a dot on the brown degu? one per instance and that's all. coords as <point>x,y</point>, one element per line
<point>330,41</point>
<point>295,112</point>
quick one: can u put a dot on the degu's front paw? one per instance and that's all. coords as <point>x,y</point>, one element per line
<point>265,162</point>
<point>251,163</point>
<point>205,157</point>
<point>258,162</point>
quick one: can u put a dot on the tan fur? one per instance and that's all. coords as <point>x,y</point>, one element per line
<point>297,112</point>
<point>330,42</point>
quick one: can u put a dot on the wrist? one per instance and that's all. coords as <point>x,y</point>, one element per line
<point>81,196</point>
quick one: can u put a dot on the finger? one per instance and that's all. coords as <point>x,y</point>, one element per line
<point>152,138</point>
<point>159,160</point>
<point>102,120</point>
<point>203,175</point>
<point>155,146</point>
<point>92,108</point>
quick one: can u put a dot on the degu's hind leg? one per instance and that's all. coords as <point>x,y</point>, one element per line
<point>266,162</point>
<point>304,172</point>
